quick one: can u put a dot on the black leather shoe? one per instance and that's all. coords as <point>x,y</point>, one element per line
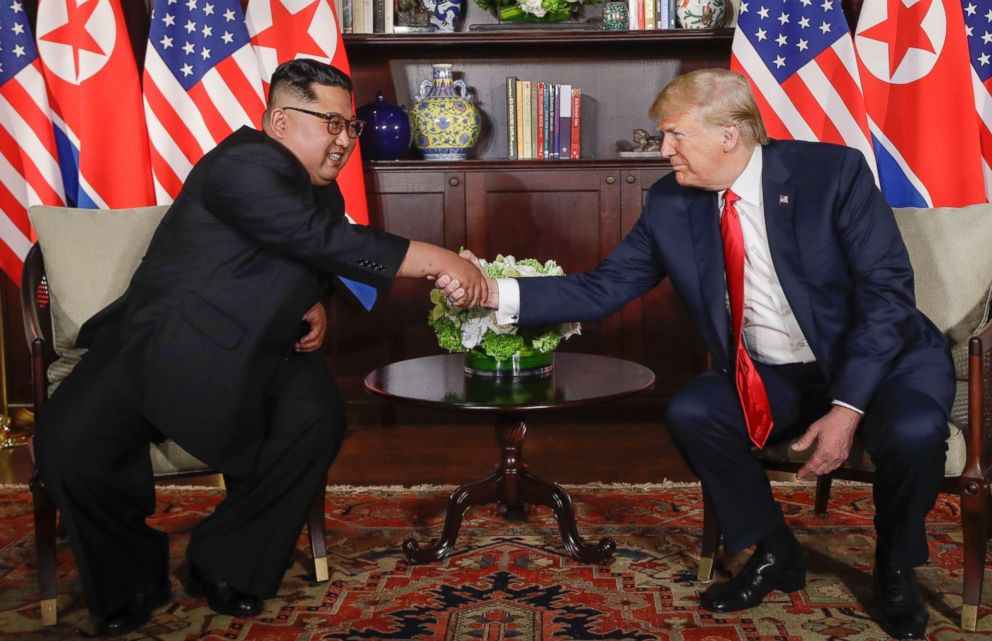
<point>764,571</point>
<point>901,609</point>
<point>136,613</point>
<point>221,596</point>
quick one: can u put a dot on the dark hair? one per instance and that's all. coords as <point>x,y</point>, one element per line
<point>298,77</point>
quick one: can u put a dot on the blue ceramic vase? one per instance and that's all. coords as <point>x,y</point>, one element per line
<point>443,13</point>
<point>387,130</point>
<point>445,122</point>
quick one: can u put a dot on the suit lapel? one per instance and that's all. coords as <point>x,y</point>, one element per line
<point>704,217</point>
<point>779,199</point>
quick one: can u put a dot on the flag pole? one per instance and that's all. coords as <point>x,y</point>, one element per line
<point>7,438</point>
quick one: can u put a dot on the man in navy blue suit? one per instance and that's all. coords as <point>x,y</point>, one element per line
<point>790,262</point>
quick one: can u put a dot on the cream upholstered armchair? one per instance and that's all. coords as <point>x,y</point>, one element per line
<point>951,253</point>
<point>82,262</point>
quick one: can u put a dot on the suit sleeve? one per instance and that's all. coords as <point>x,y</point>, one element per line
<point>630,270</point>
<point>883,298</point>
<point>259,193</point>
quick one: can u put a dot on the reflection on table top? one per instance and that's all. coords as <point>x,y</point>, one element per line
<point>575,381</point>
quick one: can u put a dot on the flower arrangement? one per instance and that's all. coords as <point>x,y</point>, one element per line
<point>476,331</point>
<point>533,10</point>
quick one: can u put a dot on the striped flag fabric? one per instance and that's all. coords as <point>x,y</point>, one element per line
<point>284,30</point>
<point>913,57</point>
<point>95,98</point>
<point>800,60</point>
<point>978,27</point>
<point>201,82</point>
<point>29,168</point>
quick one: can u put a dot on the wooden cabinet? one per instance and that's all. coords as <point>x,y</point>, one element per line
<point>575,211</point>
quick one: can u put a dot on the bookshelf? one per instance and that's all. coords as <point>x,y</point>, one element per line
<point>575,211</point>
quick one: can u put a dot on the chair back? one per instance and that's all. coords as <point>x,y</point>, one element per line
<point>89,256</point>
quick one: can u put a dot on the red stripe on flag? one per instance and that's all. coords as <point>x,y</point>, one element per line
<point>164,174</point>
<point>171,121</point>
<point>811,110</point>
<point>216,124</point>
<point>26,167</point>
<point>14,210</point>
<point>985,136</point>
<point>28,109</point>
<point>838,75</point>
<point>241,89</point>
<point>10,263</point>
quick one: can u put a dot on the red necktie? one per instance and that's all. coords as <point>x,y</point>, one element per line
<point>750,389</point>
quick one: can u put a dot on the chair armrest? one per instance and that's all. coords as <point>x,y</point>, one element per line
<point>979,404</point>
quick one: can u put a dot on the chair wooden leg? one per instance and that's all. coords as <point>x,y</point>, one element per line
<point>822,494</point>
<point>317,531</point>
<point>975,527</point>
<point>711,539</point>
<point>44,541</point>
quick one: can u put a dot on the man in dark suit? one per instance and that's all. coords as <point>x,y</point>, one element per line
<point>200,349</point>
<point>789,261</point>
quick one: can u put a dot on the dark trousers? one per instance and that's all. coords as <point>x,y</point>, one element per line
<point>92,451</point>
<point>904,430</point>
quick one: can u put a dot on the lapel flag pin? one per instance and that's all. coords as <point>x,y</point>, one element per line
<point>783,200</point>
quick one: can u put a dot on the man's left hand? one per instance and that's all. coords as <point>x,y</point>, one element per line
<point>833,435</point>
<point>317,317</point>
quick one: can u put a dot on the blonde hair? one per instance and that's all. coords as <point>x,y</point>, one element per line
<point>721,96</point>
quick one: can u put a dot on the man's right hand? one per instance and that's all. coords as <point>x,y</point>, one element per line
<point>451,284</point>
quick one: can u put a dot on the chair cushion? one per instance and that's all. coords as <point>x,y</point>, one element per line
<point>949,250</point>
<point>90,255</point>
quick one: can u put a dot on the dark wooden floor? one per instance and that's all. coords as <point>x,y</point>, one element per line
<point>410,446</point>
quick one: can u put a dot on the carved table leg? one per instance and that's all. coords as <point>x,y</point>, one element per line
<point>542,492</point>
<point>511,431</point>
<point>464,497</point>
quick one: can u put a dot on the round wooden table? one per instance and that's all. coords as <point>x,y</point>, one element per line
<point>577,380</point>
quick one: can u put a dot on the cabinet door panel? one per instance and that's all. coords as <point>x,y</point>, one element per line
<point>419,206</point>
<point>570,216</point>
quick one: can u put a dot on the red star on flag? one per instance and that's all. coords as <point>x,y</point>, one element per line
<point>74,33</point>
<point>902,30</point>
<point>298,24</point>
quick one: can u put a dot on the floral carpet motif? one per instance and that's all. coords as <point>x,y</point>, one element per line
<point>509,580</point>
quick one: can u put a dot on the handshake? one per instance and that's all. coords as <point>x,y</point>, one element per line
<point>465,284</point>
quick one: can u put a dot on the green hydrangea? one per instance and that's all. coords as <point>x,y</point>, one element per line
<point>459,330</point>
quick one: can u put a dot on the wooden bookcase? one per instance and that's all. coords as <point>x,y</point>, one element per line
<point>575,211</point>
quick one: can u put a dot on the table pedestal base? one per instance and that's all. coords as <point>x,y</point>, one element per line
<point>512,486</point>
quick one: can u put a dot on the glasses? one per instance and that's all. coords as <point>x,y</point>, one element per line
<point>336,123</point>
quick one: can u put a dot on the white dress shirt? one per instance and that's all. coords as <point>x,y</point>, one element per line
<point>771,333</point>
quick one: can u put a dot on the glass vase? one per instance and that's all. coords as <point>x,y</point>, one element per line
<point>524,363</point>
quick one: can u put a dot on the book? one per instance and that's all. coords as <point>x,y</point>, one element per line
<point>576,141</point>
<point>390,16</point>
<point>555,124</point>
<point>378,16</point>
<point>542,119</point>
<point>632,15</point>
<point>650,14</point>
<point>345,16</point>
<point>533,125</point>
<point>511,117</point>
<point>520,120</point>
<point>565,123</point>
<point>527,121</point>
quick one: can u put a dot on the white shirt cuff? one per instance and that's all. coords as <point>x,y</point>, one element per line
<point>508,311</point>
<point>850,407</point>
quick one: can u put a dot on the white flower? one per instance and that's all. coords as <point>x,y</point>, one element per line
<point>533,7</point>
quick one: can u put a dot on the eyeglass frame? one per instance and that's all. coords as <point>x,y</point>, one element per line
<point>328,118</point>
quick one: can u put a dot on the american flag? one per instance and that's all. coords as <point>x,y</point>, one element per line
<point>799,57</point>
<point>29,169</point>
<point>202,81</point>
<point>978,26</point>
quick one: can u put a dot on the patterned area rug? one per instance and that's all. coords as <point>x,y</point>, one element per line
<point>509,580</point>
